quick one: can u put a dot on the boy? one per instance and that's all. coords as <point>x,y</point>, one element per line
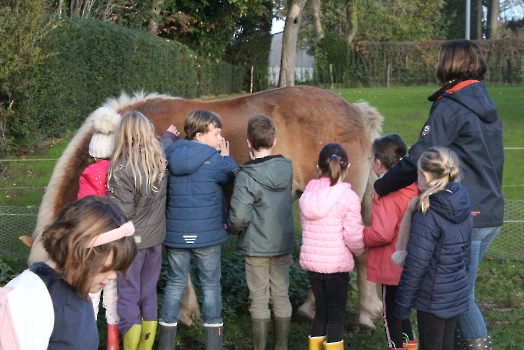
<point>262,216</point>
<point>196,219</point>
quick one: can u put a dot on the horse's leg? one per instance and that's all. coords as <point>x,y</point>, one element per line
<point>306,311</point>
<point>370,306</point>
<point>189,310</point>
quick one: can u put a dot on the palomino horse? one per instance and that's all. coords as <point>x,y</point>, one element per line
<point>306,118</point>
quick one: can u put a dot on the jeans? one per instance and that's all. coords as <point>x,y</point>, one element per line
<point>331,294</point>
<point>435,333</point>
<point>208,262</point>
<point>268,281</point>
<point>471,323</point>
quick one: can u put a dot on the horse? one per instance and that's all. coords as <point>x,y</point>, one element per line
<point>306,118</point>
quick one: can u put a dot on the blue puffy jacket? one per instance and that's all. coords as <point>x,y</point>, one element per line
<point>196,208</point>
<point>434,279</point>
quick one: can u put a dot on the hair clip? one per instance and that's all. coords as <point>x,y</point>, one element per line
<point>334,155</point>
<point>125,230</point>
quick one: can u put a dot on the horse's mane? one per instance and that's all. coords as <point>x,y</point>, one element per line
<point>124,101</point>
<point>371,118</point>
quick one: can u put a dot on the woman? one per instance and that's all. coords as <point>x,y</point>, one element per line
<point>463,118</point>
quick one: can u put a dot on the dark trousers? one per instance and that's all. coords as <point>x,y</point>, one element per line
<point>331,294</point>
<point>435,333</point>
<point>395,328</point>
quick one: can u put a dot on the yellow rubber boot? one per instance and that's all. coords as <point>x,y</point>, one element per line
<point>316,343</point>
<point>339,345</point>
<point>132,337</point>
<point>147,338</point>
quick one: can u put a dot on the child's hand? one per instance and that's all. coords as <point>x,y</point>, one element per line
<point>374,195</point>
<point>224,147</point>
<point>173,130</point>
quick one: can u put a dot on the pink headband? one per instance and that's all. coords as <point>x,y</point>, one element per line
<point>125,230</point>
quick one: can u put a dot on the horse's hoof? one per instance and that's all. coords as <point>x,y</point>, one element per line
<point>363,329</point>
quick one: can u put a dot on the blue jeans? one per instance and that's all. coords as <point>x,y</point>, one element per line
<point>208,261</point>
<point>471,323</point>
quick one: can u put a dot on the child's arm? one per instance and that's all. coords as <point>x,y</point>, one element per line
<point>352,226</point>
<point>241,212</point>
<point>169,136</point>
<point>384,220</point>
<point>122,192</point>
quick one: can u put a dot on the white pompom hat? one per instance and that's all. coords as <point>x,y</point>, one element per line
<point>105,122</point>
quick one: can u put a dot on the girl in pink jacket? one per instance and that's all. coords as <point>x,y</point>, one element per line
<point>332,232</point>
<point>382,236</point>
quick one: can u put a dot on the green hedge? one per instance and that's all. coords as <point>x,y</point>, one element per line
<point>89,61</point>
<point>410,63</point>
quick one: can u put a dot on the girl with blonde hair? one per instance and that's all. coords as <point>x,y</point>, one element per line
<point>434,279</point>
<point>137,182</point>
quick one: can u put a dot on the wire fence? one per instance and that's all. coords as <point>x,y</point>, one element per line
<point>16,221</point>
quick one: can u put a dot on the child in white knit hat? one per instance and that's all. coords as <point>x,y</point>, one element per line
<point>93,181</point>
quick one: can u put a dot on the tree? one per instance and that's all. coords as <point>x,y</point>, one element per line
<point>289,43</point>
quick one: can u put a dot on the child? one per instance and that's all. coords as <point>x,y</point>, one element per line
<point>138,183</point>
<point>381,237</point>
<point>196,222</point>
<point>331,233</point>
<point>93,181</point>
<point>434,280</point>
<point>261,214</point>
<point>88,243</point>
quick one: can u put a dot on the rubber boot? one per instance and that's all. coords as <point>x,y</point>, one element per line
<point>147,338</point>
<point>260,331</point>
<point>132,337</point>
<point>167,336</point>
<point>316,343</point>
<point>213,336</point>
<point>113,337</point>
<point>479,343</point>
<point>281,332</point>
<point>339,345</point>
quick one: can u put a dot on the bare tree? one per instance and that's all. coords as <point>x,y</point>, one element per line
<point>289,43</point>
<point>493,18</point>
<point>315,4</point>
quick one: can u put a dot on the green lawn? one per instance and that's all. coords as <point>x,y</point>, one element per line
<point>500,283</point>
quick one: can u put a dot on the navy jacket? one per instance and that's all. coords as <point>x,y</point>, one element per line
<point>463,118</point>
<point>196,206</point>
<point>434,279</point>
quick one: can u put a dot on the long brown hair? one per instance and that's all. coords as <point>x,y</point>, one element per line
<point>333,161</point>
<point>67,241</point>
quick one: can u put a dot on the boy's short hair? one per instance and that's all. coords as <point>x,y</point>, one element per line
<point>261,131</point>
<point>198,121</point>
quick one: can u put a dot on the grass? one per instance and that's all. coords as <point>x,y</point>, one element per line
<point>500,284</point>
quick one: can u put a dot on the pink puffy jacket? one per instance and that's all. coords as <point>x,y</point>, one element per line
<point>332,229</point>
<point>93,180</point>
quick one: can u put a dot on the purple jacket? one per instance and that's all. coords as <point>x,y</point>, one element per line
<point>332,229</point>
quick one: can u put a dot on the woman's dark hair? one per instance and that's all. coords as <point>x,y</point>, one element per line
<point>332,161</point>
<point>460,59</point>
<point>389,149</point>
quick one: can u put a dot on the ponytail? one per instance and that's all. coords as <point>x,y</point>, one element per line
<point>332,162</point>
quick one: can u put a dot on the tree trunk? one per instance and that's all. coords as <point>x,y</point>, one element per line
<point>152,25</point>
<point>316,13</point>
<point>494,19</point>
<point>352,11</point>
<point>480,13</point>
<point>289,43</point>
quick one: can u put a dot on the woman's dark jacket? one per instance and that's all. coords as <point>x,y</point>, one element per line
<point>434,279</point>
<point>463,118</point>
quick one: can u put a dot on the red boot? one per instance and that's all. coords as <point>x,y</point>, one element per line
<point>113,338</point>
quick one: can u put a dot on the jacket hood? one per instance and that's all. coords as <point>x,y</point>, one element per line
<point>473,95</point>
<point>453,203</point>
<point>319,197</point>
<point>273,172</point>
<point>189,156</point>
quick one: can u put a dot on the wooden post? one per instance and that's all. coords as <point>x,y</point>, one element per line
<point>331,73</point>
<point>389,71</point>
<point>251,88</point>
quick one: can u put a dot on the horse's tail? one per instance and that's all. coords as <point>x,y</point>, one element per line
<point>66,172</point>
<point>372,120</point>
